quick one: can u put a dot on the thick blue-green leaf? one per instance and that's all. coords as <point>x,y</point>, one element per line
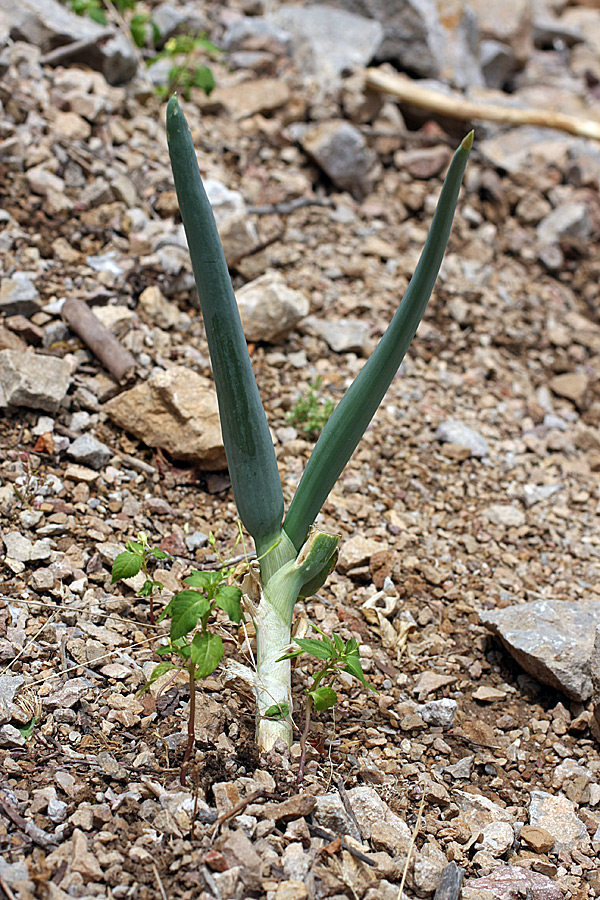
<point>207,650</point>
<point>323,697</point>
<point>126,565</point>
<point>246,436</point>
<point>350,419</point>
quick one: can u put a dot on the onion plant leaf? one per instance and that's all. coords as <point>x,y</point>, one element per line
<point>352,415</point>
<point>246,437</point>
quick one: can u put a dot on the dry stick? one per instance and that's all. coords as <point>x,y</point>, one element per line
<point>339,783</point>
<point>458,107</point>
<point>159,882</point>
<point>303,738</point>
<point>6,890</point>
<point>411,845</point>
<point>191,729</point>
<point>102,342</point>
<point>317,831</point>
<point>40,837</point>
<point>62,54</point>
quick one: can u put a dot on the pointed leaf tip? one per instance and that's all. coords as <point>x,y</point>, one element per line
<point>467,142</point>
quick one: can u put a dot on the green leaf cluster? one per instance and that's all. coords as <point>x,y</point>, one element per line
<point>311,411</point>
<point>338,655</point>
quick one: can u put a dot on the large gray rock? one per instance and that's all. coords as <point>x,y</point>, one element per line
<point>175,410</point>
<point>318,49</point>
<point>342,152</point>
<point>342,335</point>
<point>35,381</point>
<point>552,640</point>
<point>50,24</point>
<point>269,309</point>
<point>567,220</point>
<point>89,451</point>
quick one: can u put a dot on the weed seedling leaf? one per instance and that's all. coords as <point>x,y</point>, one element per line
<point>323,697</point>
<point>126,565</point>
<point>207,650</point>
<point>185,609</point>
<point>228,599</point>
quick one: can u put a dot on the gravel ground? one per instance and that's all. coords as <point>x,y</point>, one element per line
<point>495,770</point>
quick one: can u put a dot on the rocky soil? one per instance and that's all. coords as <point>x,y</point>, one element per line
<point>469,515</point>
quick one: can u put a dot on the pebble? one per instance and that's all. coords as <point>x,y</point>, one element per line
<point>19,296</point>
<point>440,713</point>
<point>89,451</point>
<point>537,839</point>
<point>556,815</point>
<point>340,149</point>
<point>34,381</point>
<point>505,516</point>
<point>455,432</point>
<point>341,335</point>
<point>269,309</point>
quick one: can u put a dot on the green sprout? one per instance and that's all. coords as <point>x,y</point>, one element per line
<point>339,656</point>
<point>197,650</point>
<point>134,559</point>
<point>310,413</point>
<point>294,557</point>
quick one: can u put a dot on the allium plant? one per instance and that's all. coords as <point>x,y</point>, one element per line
<point>295,558</point>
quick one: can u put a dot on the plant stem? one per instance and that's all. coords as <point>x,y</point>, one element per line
<point>303,737</point>
<point>273,635</point>
<point>191,729</point>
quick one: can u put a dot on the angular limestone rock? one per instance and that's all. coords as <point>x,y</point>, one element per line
<point>175,410</point>
<point>269,309</point>
<point>552,640</point>
<point>34,381</point>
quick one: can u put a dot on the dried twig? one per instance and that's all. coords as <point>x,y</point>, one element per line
<point>290,206</point>
<point>317,831</point>
<point>159,882</point>
<point>411,846</point>
<point>40,837</point>
<point>339,783</point>
<point>102,342</point>
<point>458,107</point>
<point>62,54</point>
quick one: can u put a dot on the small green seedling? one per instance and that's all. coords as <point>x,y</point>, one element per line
<point>311,412</point>
<point>197,649</point>
<point>185,73</point>
<point>135,559</point>
<point>339,656</point>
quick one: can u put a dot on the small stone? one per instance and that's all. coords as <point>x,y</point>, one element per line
<point>462,768</point>
<point>9,686</point>
<point>269,309</point>
<point>567,220</point>
<point>89,451</point>
<point>456,432</point>
<point>497,838</point>
<point>439,713</point>
<point>68,695</point>
<point>11,737</point>
<point>505,516</point>
<point>342,335</point>
<point>260,95</point>
<point>71,127</point>
<point>486,694</point>
<point>342,152</point>
<point>176,409</point>
<point>34,381</point>
<point>509,882</point>
<point>553,640</point>
<point>298,806</point>
<point>18,546</point>
<point>82,860</point>
<point>537,839</point>
<point>291,890</point>
<point>556,815</point>
<point>19,296</point>
<point>357,551</point>
<point>236,231</point>
<point>161,313</point>
<point>572,385</point>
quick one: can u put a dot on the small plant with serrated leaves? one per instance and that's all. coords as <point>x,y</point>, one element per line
<point>339,656</point>
<point>311,411</point>
<point>135,559</point>
<point>197,649</point>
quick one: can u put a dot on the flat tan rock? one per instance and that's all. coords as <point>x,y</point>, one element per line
<point>177,411</point>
